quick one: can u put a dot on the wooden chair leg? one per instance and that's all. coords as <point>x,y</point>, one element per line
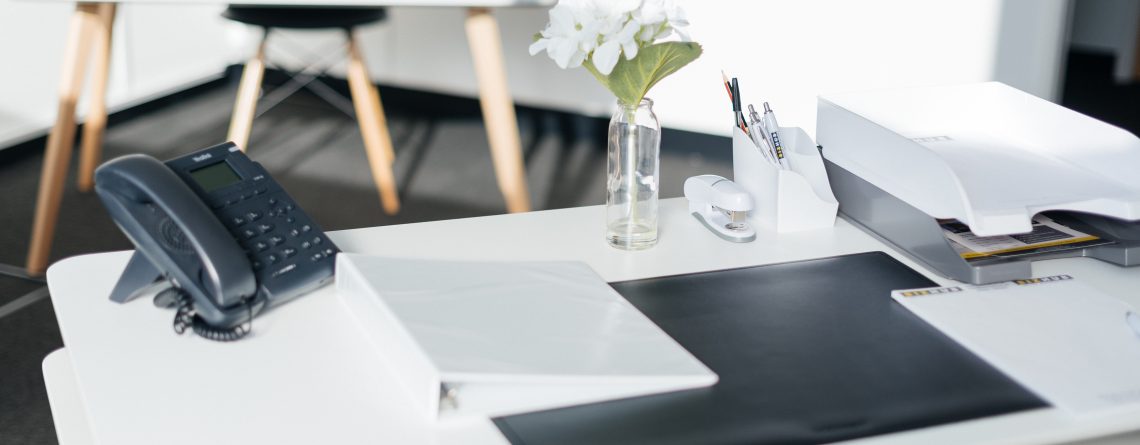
<point>57,154</point>
<point>241,123</point>
<point>92,142</point>
<point>498,108</point>
<point>373,127</point>
<point>389,151</point>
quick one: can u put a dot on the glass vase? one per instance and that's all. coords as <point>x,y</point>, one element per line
<point>632,177</point>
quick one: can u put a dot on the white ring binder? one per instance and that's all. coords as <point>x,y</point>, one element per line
<point>488,339</point>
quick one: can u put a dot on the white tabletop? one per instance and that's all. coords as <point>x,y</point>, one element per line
<point>425,3</point>
<point>306,375</point>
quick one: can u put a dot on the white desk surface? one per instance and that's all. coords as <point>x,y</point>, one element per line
<point>306,375</point>
<point>425,3</point>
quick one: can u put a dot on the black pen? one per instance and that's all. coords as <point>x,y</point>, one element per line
<point>737,114</point>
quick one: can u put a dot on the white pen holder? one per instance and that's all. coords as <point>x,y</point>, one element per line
<point>785,200</point>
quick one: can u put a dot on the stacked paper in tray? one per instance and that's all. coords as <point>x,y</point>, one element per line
<point>1074,346</point>
<point>501,338</point>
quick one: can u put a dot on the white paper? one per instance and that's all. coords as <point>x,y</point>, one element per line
<point>1065,341</point>
<point>1047,235</point>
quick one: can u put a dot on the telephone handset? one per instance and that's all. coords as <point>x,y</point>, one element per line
<point>218,229</point>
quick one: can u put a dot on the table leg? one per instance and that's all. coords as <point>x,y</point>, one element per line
<point>498,108</point>
<point>241,123</point>
<point>373,127</point>
<point>92,141</point>
<point>61,140</point>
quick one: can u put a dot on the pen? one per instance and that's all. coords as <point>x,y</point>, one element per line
<point>773,130</point>
<point>737,115</point>
<point>727,85</point>
<point>759,137</point>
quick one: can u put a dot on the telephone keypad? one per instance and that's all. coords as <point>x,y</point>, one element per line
<point>273,230</point>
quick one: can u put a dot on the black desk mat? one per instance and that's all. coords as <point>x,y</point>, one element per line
<point>807,352</point>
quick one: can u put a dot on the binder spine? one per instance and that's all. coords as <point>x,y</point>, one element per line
<point>410,363</point>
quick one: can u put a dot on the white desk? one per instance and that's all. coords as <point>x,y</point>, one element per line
<point>89,37</point>
<point>306,375</point>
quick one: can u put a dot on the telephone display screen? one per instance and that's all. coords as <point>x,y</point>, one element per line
<point>215,176</point>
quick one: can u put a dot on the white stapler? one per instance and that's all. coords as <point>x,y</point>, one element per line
<point>721,205</point>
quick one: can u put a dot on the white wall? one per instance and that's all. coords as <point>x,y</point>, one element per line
<point>30,55</point>
<point>156,50</point>
<point>1108,26</point>
<point>1031,45</point>
<point>809,47</point>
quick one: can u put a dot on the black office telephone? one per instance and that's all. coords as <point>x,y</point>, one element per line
<point>216,228</point>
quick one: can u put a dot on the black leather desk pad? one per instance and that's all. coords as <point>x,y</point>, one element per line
<point>807,352</point>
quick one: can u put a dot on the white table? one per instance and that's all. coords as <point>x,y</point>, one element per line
<point>89,36</point>
<point>306,375</point>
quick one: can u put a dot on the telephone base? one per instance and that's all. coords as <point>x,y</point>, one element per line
<point>140,277</point>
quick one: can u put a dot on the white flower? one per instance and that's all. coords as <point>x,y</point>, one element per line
<point>571,34</point>
<point>621,39</point>
<point>603,30</point>
<point>660,18</point>
<point>613,8</point>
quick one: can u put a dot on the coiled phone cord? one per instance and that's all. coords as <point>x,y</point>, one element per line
<point>185,317</point>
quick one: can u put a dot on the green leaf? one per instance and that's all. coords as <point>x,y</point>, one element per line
<point>631,80</point>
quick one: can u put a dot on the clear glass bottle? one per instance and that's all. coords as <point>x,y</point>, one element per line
<point>632,177</point>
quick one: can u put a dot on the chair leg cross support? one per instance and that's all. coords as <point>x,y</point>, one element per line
<point>366,104</point>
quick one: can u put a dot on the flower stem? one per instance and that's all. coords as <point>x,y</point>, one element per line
<point>631,167</point>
